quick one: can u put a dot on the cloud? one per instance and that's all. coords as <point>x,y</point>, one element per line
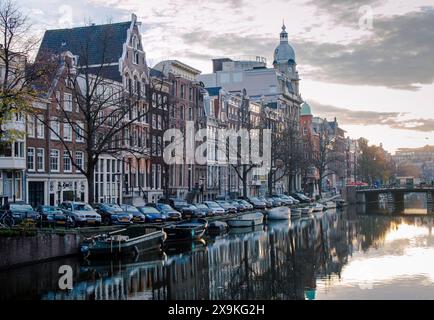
<point>344,11</point>
<point>394,120</point>
<point>398,54</point>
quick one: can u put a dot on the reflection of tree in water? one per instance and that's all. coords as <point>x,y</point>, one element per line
<point>279,263</point>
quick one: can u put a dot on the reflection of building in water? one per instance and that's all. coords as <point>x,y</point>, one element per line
<point>279,263</point>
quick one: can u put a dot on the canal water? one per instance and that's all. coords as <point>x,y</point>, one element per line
<point>350,254</point>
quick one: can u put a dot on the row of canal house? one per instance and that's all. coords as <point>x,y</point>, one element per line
<point>239,93</point>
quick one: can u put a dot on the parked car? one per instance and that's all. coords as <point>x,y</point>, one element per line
<point>275,201</point>
<point>81,213</point>
<point>21,212</point>
<point>294,201</point>
<point>167,211</point>
<point>215,207</point>
<point>268,204</point>
<point>112,213</point>
<point>195,212</point>
<point>53,216</point>
<point>240,207</point>
<point>283,201</point>
<point>152,214</point>
<point>204,208</point>
<point>138,217</point>
<point>175,203</point>
<point>256,203</point>
<point>248,205</point>
<point>189,211</point>
<point>229,208</point>
<point>301,197</point>
<point>286,199</point>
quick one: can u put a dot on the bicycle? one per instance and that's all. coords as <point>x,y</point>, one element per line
<point>7,220</point>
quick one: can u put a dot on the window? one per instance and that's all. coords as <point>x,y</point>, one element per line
<point>181,112</point>
<point>190,94</point>
<point>67,102</point>
<point>67,132</point>
<point>54,160</point>
<point>58,100</point>
<point>40,159</point>
<point>31,126</point>
<point>136,57</point>
<point>31,159</point>
<point>19,149</point>
<point>40,127</point>
<point>66,161</point>
<point>55,129</point>
<point>79,159</point>
<point>190,113</point>
<point>79,132</point>
<point>182,91</point>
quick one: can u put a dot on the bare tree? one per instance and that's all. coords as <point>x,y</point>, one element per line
<point>109,113</point>
<point>326,156</point>
<point>17,76</point>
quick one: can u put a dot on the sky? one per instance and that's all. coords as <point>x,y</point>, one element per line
<point>370,63</point>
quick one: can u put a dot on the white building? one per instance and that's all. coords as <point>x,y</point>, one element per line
<point>278,87</point>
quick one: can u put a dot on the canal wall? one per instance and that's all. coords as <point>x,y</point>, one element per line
<point>17,251</point>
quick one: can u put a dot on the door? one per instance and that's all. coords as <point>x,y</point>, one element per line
<point>36,193</point>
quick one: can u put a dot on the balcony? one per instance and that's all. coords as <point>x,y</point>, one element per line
<point>12,163</point>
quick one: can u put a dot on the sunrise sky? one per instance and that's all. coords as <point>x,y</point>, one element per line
<point>378,82</point>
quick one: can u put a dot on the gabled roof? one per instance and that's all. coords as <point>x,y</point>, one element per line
<point>96,43</point>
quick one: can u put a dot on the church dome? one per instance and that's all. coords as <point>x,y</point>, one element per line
<point>284,53</point>
<point>305,109</point>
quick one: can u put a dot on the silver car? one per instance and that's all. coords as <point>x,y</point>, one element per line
<point>81,213</point>
<point>215,207</point>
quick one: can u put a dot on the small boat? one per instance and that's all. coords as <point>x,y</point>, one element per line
<point>318,207</point>
<point>190,230</point>
<point>246,220</point>
<point>124,242</point>
<point>330,205</point>
<point>306,210</point>
<point>295,212</point>
<point>217,227</point>
<point>279,213</point>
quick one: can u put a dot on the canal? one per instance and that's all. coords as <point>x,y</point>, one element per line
<point>350,254</point>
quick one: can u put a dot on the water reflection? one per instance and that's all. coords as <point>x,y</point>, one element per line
<point>334,255</point>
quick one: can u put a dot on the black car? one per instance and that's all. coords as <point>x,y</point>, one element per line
<point>21,212</point>
<point>112,213</point>
<point>53,216</point>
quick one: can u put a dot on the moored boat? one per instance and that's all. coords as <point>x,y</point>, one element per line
<point>217,227</point>
<point>246,220</point>
<point>186,231</point>
<point>279,213</point>
<point>124,242</point>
